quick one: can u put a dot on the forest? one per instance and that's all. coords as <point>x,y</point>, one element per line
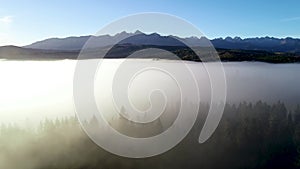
<point>250,135</point>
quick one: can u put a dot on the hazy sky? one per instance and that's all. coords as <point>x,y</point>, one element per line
<point>23,22</point>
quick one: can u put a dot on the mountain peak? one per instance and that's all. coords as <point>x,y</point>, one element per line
<point>138,32</point>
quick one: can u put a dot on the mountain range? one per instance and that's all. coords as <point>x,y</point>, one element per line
<point>270,44</point>
<point>266,49</point>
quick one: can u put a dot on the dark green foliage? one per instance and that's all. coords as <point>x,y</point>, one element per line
<point>249,136</point>
<point>124,50</point>
<point>261,56</point>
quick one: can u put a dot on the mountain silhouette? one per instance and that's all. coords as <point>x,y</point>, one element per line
<point>270,44</point>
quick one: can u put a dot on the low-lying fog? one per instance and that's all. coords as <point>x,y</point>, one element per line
<point>30,91</point>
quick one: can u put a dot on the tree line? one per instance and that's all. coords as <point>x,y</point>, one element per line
<point>250,135</point>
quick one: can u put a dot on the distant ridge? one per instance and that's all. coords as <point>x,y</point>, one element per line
<point>266,49</point>
<point>270,44</point>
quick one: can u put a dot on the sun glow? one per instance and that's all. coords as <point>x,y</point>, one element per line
<point>32,89</point>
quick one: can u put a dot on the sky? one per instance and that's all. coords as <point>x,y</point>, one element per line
<point>24,22</point>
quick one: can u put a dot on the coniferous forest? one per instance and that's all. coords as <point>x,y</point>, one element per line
<point>250,135</point>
